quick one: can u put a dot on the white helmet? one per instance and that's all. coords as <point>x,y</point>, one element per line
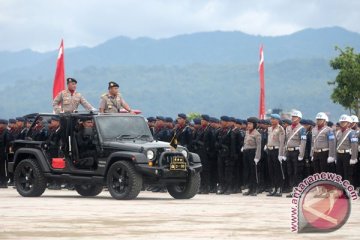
<point>296,113</point>
<point>354,119</point>
<point>322,115</point>
<point>345,118</point>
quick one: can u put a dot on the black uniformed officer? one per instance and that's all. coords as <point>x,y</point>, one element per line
<point>151,124</point>
<point>237,135</point>
<point>203,143</point>
<point>183,131</point>
<point>161,133</point>
<point>5,139</point>
<point>225,166</point>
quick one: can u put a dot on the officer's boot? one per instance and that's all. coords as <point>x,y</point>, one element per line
<point>272,193</point>
<point>278,193</point>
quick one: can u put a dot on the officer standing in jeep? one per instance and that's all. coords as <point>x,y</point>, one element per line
<point>69,100</point>
<point>112,102</point>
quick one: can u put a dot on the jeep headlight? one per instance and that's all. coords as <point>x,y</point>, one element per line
<point>185,153</point>
<point>150,154</point>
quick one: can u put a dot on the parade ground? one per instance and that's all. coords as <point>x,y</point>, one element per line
<point>63,214</point>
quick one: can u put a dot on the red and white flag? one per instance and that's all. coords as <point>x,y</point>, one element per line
<point>262,84</point>
<point>59,80</point>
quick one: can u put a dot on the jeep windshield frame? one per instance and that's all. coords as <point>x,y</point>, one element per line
<point>122,128</point>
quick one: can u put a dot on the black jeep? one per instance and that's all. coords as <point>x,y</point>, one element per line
<point>92,151</point>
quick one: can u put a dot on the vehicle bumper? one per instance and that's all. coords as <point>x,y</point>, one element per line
<point>166,174</point>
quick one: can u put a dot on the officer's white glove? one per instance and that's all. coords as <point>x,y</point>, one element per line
<point>353,161</point>
<point>284,158</point>
<point>281,158</point>
<point>265,148</point>
<point>330,160</point>
<point>312,159</point>
<point>242,149</point>
<point>256,160</point>
<point>300,158</point>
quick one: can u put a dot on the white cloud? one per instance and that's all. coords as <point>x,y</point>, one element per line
<point>40,24</point>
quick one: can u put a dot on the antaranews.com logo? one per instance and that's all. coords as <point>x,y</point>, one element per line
<point>321,203</point>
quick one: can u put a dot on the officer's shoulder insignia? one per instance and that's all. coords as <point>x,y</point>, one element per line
<point>104,95</point>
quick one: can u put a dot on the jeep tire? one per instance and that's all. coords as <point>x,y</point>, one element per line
<point>29,180</point>
<point>185,190</point>
<point>123,182</point>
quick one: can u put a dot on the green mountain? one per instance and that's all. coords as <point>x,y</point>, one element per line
<point>213,72</point>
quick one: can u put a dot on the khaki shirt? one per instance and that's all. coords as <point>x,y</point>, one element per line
<point>111,104</point>
<point>253,141</point>
<point>350,142</point>
<point>276,138</point>
<point>296,138</point>
<point>65,102</point>
<point>322,139</point>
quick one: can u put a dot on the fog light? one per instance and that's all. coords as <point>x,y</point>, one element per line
<point>150,164</point>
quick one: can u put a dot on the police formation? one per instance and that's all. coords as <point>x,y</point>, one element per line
<point>250,156</point>
<point>270,156</point>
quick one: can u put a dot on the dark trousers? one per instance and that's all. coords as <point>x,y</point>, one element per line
<point>344,168</point>
<point>276,170</point>
<point>225,168</point>
<point>205,173</point>
<point>253,179</point>
<point>214,179</point>
<point>320,162</point>
<point>295,168</point>
<point>237,173</point>
<point>3,171</point>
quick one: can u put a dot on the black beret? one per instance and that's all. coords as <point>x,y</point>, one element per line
<point>205,117</point>
<point>20,119</point>
<point>232,119</point>
<point>113,84</point>
<point>287,121</point>
<point>69,80</point>
<point>55,118</point>
<point>169,120</point>
<point>151,119</point>
<point>238,121</point>
<point>4,121</point>
<point>267,122</point>
<point>253,120</point>
<point>161,118</point>
<point>330,124</point>
<point>304,122</point>
<point>197,121</point>
<point>11,120</point>
<point>225,118</point>
<point>182,115</point>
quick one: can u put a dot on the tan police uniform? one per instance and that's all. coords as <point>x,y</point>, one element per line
<point>68,103</point>
<point>111,104</point>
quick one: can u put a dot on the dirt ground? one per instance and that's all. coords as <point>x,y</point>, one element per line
<point>63,214</point>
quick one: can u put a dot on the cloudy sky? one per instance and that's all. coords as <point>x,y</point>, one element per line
<point>40,24</point>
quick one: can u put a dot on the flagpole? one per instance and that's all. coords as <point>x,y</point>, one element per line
<point>262,85</point>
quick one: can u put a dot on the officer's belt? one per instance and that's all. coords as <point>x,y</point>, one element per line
<point>272,147</point>
<point>291,149</point>
<point>321,150</point>
<point>344,151</point>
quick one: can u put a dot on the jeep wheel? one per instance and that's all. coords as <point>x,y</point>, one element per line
<point>185,190</point>
<point>89,190</point>
<point>123,181</point>
<point>29,179</point>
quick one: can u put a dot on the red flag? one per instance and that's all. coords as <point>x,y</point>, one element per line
<point>59,80</point>
<point>262,85</point>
